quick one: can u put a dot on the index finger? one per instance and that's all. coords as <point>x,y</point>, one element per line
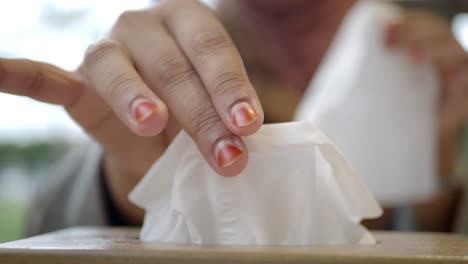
<point>40,81</point>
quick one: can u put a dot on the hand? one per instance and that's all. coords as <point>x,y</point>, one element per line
<point>428,39</point>
<point>168,67</point>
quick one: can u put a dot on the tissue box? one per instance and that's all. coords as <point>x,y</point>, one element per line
<point>121,245</point>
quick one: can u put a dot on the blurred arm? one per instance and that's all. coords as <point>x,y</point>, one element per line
<point>73,194</point>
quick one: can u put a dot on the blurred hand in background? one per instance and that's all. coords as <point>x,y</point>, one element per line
<point>428,38</point>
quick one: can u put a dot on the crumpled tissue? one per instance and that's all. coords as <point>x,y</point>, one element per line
<point>297,190</point>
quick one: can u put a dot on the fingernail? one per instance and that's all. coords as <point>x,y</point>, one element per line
<point>243,114</point>
<point>227,153</point>
<point>142,109</point>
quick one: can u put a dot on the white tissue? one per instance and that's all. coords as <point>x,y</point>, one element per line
<point>378,106</point>
<point>297,189</point>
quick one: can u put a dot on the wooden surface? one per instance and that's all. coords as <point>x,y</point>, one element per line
<point>112,245</point>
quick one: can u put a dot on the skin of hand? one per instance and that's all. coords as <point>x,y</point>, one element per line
<point>428,39</point>
<point>170,67</point>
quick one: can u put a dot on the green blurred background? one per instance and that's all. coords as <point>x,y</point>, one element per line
<point>22,166</point>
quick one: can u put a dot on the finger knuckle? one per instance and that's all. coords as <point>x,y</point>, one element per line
<point>210,42</point>
<point>173,71</point>
<point>95,53</point>
<point>204,119</point>
<point>128,19</point>
<point>229,83</point>
<point>119,84</point>
<point>35,83</point>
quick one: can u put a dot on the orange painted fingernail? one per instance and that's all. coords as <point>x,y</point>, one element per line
<point>227,153</point>
<point>243,114</point>
<point>143,109</point>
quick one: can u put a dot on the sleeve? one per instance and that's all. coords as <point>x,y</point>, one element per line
<point>74,194</point>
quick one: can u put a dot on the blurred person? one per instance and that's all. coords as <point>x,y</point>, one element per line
<point>180,65</point>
